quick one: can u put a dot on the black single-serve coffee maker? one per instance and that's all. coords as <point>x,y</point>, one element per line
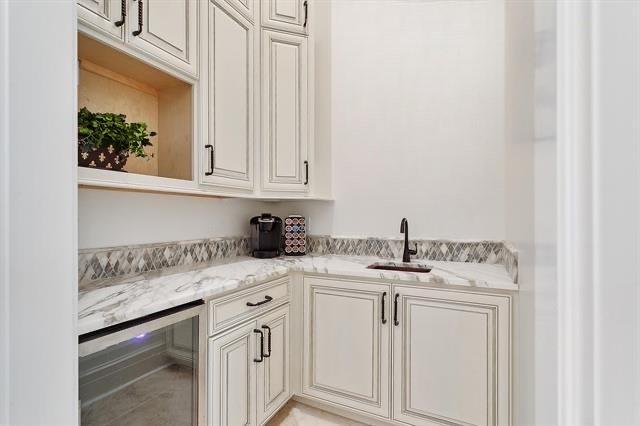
<point>266,236</point>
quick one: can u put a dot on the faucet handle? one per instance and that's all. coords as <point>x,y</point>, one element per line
<point>414,251</point>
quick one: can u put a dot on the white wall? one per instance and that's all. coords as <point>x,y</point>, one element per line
<point>114,218</point>
<point>410,95</point>
<point>417,119</point>
<point>38,357</point>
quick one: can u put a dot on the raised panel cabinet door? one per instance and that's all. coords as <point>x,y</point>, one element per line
<point>286,15</point>
<point>284,112</point>
<point>105,16</point>
<point>166,30</point>
<point>232,377</point>
<point>451,358</point>
<point>228,152</point>
<point>273,374</point>
<point>346,344</point>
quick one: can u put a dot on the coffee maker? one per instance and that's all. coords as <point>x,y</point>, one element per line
<point>266,236</point>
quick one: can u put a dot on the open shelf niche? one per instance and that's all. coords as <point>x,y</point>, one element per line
<point>111,81</point>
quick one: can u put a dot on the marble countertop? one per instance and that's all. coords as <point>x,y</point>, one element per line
<point>112,301</point>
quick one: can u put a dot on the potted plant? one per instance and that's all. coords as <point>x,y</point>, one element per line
<point>105,140</point>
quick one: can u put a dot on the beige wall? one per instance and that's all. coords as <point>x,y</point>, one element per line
<point>175,152</point>
<point>100,94</point>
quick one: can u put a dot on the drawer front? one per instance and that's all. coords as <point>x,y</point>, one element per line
<point>238,307</point>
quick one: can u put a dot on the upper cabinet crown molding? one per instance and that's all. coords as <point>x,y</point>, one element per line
<point>286,15</point>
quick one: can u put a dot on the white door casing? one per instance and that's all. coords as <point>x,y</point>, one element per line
<point>284,112</point>
<point>346,345</point>
<point>451,355</point>
<point>228,148</point>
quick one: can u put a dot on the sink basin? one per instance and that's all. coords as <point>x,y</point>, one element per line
<point>399,266</point>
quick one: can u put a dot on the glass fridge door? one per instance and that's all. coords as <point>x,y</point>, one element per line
<point>148,378</point>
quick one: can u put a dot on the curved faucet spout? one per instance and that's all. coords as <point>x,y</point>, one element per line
<point>407,252</point>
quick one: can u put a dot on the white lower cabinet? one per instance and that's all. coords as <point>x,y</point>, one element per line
<point>232,376</point>
<point>273,373</point>
<point>347,343</point>
<point>402,354</point>
<point>451,359</point>
<point>248,376</point>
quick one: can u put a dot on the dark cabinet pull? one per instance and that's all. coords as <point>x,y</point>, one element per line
<point>306,14</point>
<point>395,310</point>
<point>306,172</point>
<point>123,14</point>
<point>139,30</point>
<point>268,354</point>
<point>267,299</point>
<point>255,330</point>
<point>210,172</point>
<point>384,296</point>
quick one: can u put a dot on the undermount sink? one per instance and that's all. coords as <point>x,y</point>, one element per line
<point>403,267</point>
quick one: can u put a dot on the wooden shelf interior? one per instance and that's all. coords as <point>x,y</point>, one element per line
<point>111,81</point>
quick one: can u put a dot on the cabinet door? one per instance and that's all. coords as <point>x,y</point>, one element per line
<point>284,112</point>
<point>273,373</point>
<point>286,15</point>
<point>166,30</point>
<point>346,343</point>
<point>228,153</point>
<point>105,16</point>
<point>451,358</point>
<point>232,377</point>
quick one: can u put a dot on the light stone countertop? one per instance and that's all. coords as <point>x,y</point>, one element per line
<point>116,300</point>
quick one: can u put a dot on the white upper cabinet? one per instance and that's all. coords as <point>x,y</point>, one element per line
<point>107,16</point>
<point>166,30</point>
<point>286,15</point>
<point>347,343</point>
<point>246,7</point>
<point>227,150</point>
<point>451,356</point>
<point>285,164</point>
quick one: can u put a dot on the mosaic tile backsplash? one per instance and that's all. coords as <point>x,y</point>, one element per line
<point>495,252</point>
<point>95,264</point>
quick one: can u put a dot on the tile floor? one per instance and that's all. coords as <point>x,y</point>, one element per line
<point>296,414</point>
<point>146,402</point>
